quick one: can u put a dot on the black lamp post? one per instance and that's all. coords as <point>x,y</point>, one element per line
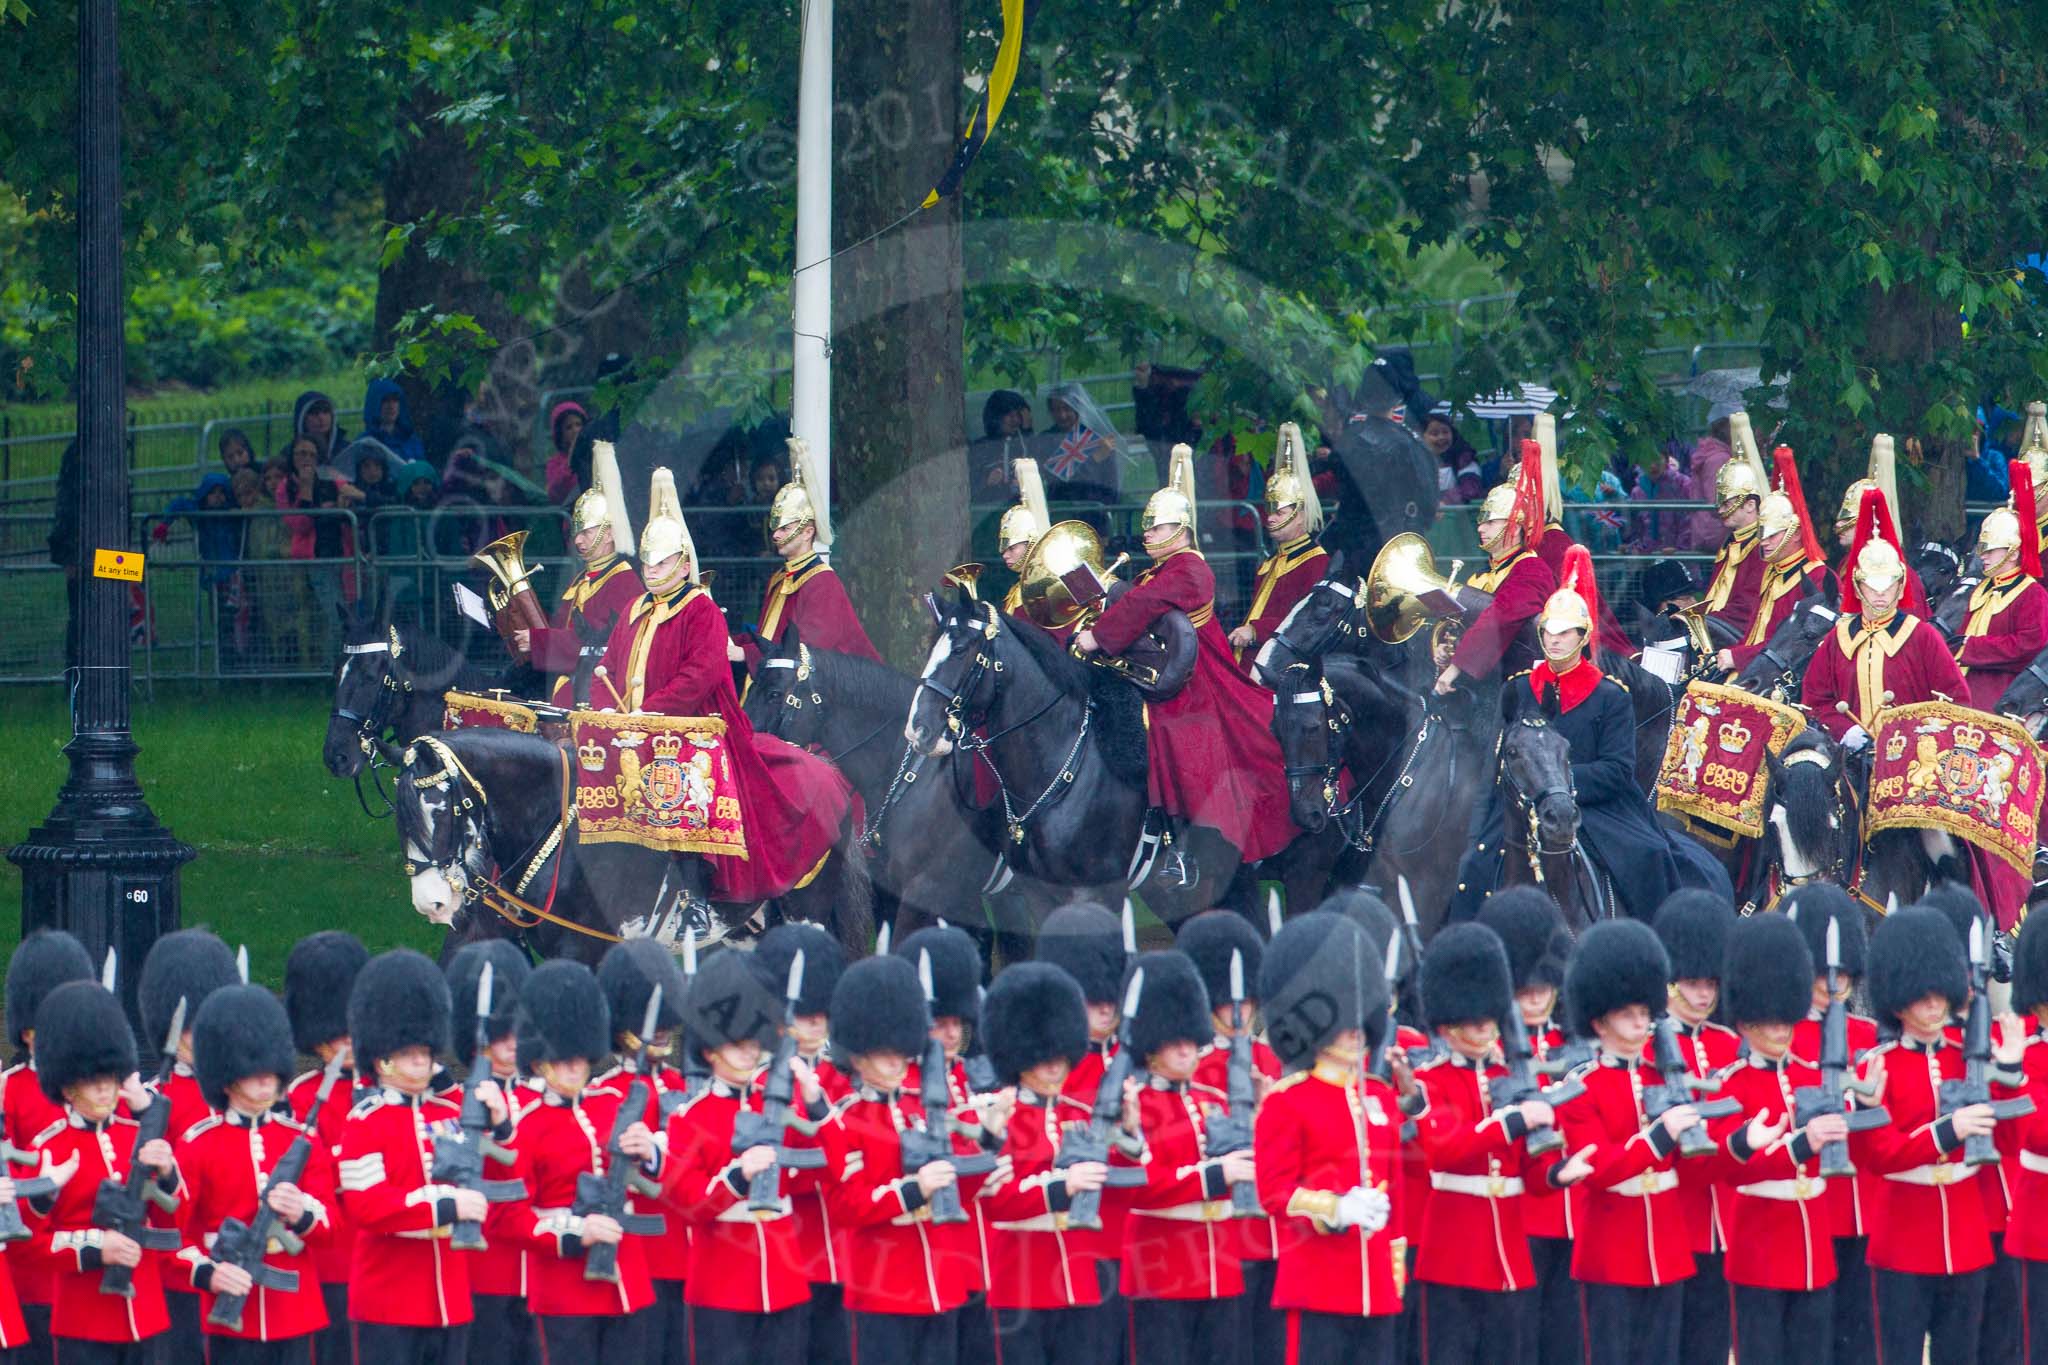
<point>101,865</point>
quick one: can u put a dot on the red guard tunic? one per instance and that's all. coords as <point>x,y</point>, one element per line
<point>668,1256</point>
<point>188,1107</point>
<point>403,1273</point>
<point>1552,549</point>
<point>2026,1233</point>
<point>1081,1086</point>
<point>1175,1244</point>
<point>1851,1203</point>
<point>1708,1048</point>
<point>895,1261</point>
<point>1495,640</point>
<point>1736,589</point>
<point>1859,663</point>
<point>740,1261</point>
<point>559,1139</point>
<point>1034,1260</point>
<point>817,1239</point>
<point>221,1156</point>
<point>601,593</point>
<point>26,1111</point>
<point>1212,758</point>
<point>334,1250</point>
<point>1548,1212</point>
<point>806,593</point>
<point>1932,1221</point>
<point>1322,1134</point>
<point>1284,579</point>
<point>1257,1238</point>
<point>668,656</point>
<point>1781,1235</point>
<point>69,1242</point>
<point>1415,1191</point>
<point>1785,584</point>
<point>1635,1230</point>
<point>1478,1170</point>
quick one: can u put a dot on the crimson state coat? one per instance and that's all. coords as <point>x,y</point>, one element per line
<point>600,594</point>
<point>1212,756</point>
<point>560,1138</point>
<point>1852,1204</point>
<point>221,1157</point>
<point>1284,579</point>
<point>1784,586</point>
<point>1736,588</point>
<point>740,1261</point>
<point>1176,1244</point>
<point>1501,638</point>
<point>1035,1260</point>
<point>25,1111</point>
<point>1324,1134</point>
<point>1708,1048</point>
<point>1780,1234</point>
<point>1478,1170</point>
<point>1552,549</point>
<point>806,593</point>
<point>667,655</point>
<point>1858,663</point>
<point>896,1261</point>
<point>65,1235</point>
<point>1635,1231</point>
<point>2006,629</point>
<point>403,1273</point>
<point>1932,1218</point>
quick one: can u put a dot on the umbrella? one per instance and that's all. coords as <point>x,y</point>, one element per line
<point>1729,386</point>
<point>1524,400</point>
<point>352,455</point>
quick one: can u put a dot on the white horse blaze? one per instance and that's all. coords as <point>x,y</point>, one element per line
<point>1798,863</point>
<point>942,650</point>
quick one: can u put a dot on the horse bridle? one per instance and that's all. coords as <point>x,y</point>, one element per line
<point>795,700</point>
<point>369,729</point>
<point>1532,803</point>
<point>1339,623</point>
<point>1361,834</point>
<point>465,829</point>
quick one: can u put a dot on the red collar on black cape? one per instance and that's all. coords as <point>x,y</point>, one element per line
<point>1573,686</point>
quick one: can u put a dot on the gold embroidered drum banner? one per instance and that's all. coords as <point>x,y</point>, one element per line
<point>658,781</point>
<point>469,711</point>
<point>1714,762</point>
<point>1943,766</point>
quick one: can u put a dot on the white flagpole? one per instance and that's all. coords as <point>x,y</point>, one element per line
<point>811,290</point>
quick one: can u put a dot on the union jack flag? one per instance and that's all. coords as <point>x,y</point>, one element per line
<point>1073,452</point>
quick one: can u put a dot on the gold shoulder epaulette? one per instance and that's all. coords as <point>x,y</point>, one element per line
<point>1289,1081</point>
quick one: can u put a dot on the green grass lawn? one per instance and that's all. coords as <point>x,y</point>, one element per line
<point>236,773</point>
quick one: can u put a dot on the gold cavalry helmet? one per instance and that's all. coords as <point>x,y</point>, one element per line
<point>1878,565</point>
<point>1499,503</point>
<point>1174,503</point>
<point>666,533</point>
<point>2034,447</point>
<point>1031,516</point>
<point>800,500</point>
<point>2000,531</point>
<point>604,502</point>
<point>1775,515</point>
<point>1291,484</point>
<point>1566,610</point>
<point>1744,475</point>
<point>1852,500</point>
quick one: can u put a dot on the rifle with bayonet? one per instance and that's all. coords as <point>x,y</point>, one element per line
<point>12,1228</point>
<point>934,1142</point>
<point>1975,1086</point>
<point>980,1071</point>
<point>246,1244</point>
<point>1231,1130</point>
<point>696,1071</point>
<point>1089,1140</point>
<point>606,1194</point>
<point>770,1127</point>
<point>1520,1084</point>
<point>459,1156</point>
<point>1810,1102</point>
<point>1679,1086</point>
<point>117,1206</point>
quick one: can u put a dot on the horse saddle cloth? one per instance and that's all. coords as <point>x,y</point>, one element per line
<point>1159,662</point>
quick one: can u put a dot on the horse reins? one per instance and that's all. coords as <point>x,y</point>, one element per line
<point>368,728</point>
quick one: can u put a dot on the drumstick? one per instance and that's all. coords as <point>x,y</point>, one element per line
<point>605,678</point>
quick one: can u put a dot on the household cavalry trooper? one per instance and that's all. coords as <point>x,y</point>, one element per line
<point>804,592</point>
<point>602,533</point>
<point>1024,521</point>
<point>1294,518</point>
<point>1501,639</point>
<point>1737,585</point>
<point>1793,567</point>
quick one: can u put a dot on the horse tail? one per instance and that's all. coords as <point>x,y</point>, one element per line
<point>853,908</point>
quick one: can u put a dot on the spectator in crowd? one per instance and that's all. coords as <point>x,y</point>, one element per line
<point>378,491</point>
<point>1505,461</point>
<point>1703,531</point>
<point>386,419</point>
<point>310,497</point>
<point>219,537</point>
<point>1458,478</point>
<point>1159,401</point>
<point>565,424</point>
<point>262,539</point>
<point>1005,433</point>
<point>768,478</point>
<point>420,486</point>
<point>236,454</point>
<point>1080,455</point>
<point>1665,481</point>
<point>313,416</point>
<point>1985,477</point>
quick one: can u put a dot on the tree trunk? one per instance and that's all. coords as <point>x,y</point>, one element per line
<point>1908,333</point>
<point>899,469</point>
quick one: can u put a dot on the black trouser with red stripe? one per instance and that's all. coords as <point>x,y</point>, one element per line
<point>1704,1329</point>
<point>334,1344</point>
<point>1626,1324</point>
<point>502,1331</point>
<point>1459,1326</point>
<point>1999,1344</point>
<point>828,1329</point>
<point>721,1337</point>
<point>73,1351</point>
<point>1186,1332</point>
<point>1552,1336</point>
<point>1784,1326</point>
<point>1942,1314</point>
<point>181,1345</point>
<point>1327,1338</point>
<point>1265,1327</point>
<point>237,1351</point>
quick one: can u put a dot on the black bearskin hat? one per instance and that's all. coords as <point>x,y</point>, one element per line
<point>400,1000</point>
<point>191,964</point>
<point>736,996</point>
<point>824,960</point>
<point>2030,966</point>
<point>1172,1006</point>
<point>1915,952</point>
<point>1693,926</point>
<point>1619,962</point>
<point>241,1031</point>
<point>562,1015</point>
<point>1209,939</point>
<point>1382,926</point>
<point>1539,947</point>
<point>1321,976</point>
<point>45,960</point>
<point>956,969</point>
<point>1768,978</point>
<point>628,975</point>
<point>878,1006</point>
<point>1812,907</point>
<point>1034,1013</point>
<point>1465,977</point>
<point>81,1032</point>
<point>509,970</point>
<point>1088,941</point>
<point>1960,906</point>
<point>318,976</point>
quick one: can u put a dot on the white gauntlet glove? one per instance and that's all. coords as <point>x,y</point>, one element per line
<point>1363,1208</point>
<point>1857,740</point>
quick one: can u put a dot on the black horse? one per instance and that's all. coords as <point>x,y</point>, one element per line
<point>1779,669</point>
<point>1542,837</point>
<point>387,688</point>
<point>932,852</point>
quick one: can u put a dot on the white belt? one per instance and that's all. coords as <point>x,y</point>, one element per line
<point>2035,1162</point>
<point>740,1213</point>
<point>1649,1182</point>
<point>1940,1173</point>
<point>1795,1191</point>
<point>1044,1222</point>
<point>1484,1186</point>
<point>1207,1211</point>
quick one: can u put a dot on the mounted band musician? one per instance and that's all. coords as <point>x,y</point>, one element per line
<point>1212,758</point>
<point>1023,523</point>
<point>1556,542</point>
<point>1735,592</point>
<point>667,656</point>
<point>804,592</point>
<point>1793,567</point>
<point>1498,643</point>
<point>1294,518</point>
<point>1883,477</point>
<point>595,598</point>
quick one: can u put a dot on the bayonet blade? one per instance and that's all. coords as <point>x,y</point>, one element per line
<point>1393,964</point>
<point>483,994</point>
<point>924,976</point>
<point>1130,929</point>
<point>651,1019</point>
<point>177,1032</point>
<point>107,971</point>
<point>882,941</point>
<point>1407,903</point>
<point>1834,945</point>
<point>242,962</point>
<point>1272,911</point>
<point>690,951</point>
<point>1236,977</point>
<point>1977,957</point>
<point>795,986</point>
<point>1132,992</point>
